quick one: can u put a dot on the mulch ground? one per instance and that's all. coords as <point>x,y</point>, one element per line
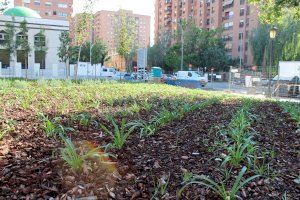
<point>30,166</point>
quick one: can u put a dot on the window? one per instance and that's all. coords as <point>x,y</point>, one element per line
<point>26,1</point>
<point>246,46</point>
<point>48,4</point>
<point>242,2</point>
<point>62,14</point>
<point>37,2</point>
<point>241,36</point>
<point>4,58</point>
<point>207,22</point>
<point>54,12</point>
<point>2,36</point>
<point>241,23</point>
<point>40,57</point>
<point>62,5</point>
<point>48,13</point>
<point>242,12</point>
<point>39,40</point>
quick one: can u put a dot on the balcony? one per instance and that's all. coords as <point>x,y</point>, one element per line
<point>227,17</point>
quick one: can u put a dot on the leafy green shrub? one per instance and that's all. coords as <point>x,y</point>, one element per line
<point>220,188</point>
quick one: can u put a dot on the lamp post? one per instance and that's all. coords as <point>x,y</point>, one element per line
<point>273,32</point>
<point>181,61</point>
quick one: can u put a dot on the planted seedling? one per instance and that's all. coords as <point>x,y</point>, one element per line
<point>53,127</point>
<point>220,188</point>
<point>146,129</point>
<point>77,159</point>
<point>119,133</point>
<point>7,127</point>
<point>161,187</point>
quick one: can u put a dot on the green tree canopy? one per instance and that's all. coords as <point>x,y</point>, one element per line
<point>126,35</point>
<point>273,11</point>
<point>99,52</point>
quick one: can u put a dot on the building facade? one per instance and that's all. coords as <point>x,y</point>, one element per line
<point>43,36</point>
<point>237,17</point>
<point>49,9</point>
<point>104,27</point>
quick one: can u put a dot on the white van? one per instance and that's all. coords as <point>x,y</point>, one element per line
<point>192,76</point>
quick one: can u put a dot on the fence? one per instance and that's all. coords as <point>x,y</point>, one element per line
<point>254,82</point>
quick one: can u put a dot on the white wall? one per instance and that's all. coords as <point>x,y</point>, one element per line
<point>289,69</point>
<point>52,30</point>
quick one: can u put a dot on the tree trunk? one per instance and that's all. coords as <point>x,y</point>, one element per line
<point>26,69</point>
<point>76,66</point>
<point>67,69</point>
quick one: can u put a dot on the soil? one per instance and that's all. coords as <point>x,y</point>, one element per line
<point>31,167</point>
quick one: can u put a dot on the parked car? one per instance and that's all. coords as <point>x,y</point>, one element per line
<point>127,77</point>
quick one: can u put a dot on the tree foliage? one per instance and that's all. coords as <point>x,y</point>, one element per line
<point>273,11</point>
<point>202,48</point>
<point>22,42</point>
<point>9,43</point>
<point>126,35</point>
<point>99,52</point>
<point>286,43</point>
<point>4,4</point>
<point>40,45</point>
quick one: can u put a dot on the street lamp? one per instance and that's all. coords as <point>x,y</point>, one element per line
<point>273,32</point>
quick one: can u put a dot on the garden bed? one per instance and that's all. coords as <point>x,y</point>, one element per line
<point>189,141</point>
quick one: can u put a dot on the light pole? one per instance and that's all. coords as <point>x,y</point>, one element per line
<point>181,62</point>
<point>273,32</point>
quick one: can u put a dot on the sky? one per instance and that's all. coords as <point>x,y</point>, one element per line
<point>144,7</point>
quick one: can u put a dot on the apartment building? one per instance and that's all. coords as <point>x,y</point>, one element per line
<point>49,9</point>
<point>237,18</point>
<point>104,27</point>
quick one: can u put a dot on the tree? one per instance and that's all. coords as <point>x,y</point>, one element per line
<point>81,26</point>
<point>65,50</point>
<point>286,44</point>
<point>23,44</point>
<point>259,39</point>
<point>125,29</point>
<point>156,55</point>
<point>273,11</point>
<point>172,58</point>
<point>9,42</point>
<point>99,52</point>
<point>204,48</point>
<point>40,47</point>
<point>3,5</point>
